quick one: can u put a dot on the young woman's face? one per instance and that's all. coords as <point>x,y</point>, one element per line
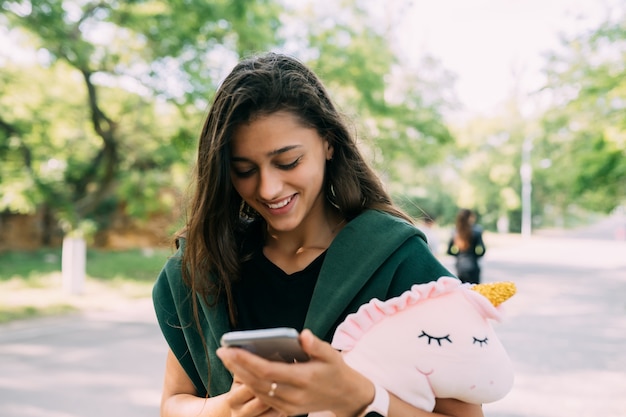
<point>277,167</point>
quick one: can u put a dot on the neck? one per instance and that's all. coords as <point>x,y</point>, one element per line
<point>313,236</point>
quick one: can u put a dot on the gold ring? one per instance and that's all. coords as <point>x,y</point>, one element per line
<point>272,390</point>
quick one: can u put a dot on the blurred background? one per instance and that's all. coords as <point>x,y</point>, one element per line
<point>515,109</point>
<point>456,104</point>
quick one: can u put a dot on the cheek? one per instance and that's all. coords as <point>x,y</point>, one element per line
<point>314,171</point>
<point>304,177</point>
<point>308,180</point>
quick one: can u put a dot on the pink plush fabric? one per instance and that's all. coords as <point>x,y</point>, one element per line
<point>435,340</point>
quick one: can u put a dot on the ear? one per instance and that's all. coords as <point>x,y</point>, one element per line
<point>329,150</point>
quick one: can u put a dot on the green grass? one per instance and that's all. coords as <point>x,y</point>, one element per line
<point>29,266</point>
<point>28,312</point>
<point>129,273</point>
<point>130,265</point>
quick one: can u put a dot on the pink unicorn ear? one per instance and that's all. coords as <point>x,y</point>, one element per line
<point>497,292</point>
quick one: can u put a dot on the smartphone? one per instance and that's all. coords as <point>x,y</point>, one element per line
<point>276,344</point>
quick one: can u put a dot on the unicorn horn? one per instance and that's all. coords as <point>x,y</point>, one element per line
<point>497,292</point>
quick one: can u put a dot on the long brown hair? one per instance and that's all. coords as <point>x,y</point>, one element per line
<point>463,235</point>
<point>257,86</point>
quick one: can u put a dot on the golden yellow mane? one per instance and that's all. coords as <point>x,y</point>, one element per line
<point>497,292</point>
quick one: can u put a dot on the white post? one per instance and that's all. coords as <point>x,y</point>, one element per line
<point>526,173</point>
<point>73,264</point>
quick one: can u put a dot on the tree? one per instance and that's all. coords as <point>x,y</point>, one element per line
<point>128,66</point>
<point>397,110</point>
<point>578,155</point>
<point>585,128</point>
<point>133,79</point>
<point>486,165</point>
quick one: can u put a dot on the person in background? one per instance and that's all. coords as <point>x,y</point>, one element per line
<point>288,227</point>
<point>466,244</point>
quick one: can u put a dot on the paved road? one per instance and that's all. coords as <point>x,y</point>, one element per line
<point>92,365</point>
<point>565,331</point>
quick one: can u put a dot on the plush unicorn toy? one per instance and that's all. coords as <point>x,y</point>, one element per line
<point>433,341</point>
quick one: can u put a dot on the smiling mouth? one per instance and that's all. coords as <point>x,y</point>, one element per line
<point>425,373</point>
<point>280,204</point>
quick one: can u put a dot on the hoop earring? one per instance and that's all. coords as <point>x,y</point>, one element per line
<point>332,197</point>
<point>246,211</point>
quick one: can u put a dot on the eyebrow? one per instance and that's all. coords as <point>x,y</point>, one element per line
<point>271,153</point>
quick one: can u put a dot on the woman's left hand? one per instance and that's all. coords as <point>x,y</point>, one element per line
<point>325,382</point>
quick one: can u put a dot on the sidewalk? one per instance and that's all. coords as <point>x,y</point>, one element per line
<point>565,331</point>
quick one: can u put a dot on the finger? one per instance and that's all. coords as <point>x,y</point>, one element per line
<point>233,356</point>
<point>240,361</point>
<point>255,407</point>
<point>244,364</point>
<point>255,372</point>
<point>243,402</point>
<point>317,348</point>
<point>308,341</point>
<point>239,394</point>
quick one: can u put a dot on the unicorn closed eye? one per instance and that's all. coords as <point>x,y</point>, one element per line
<point>433,341</point>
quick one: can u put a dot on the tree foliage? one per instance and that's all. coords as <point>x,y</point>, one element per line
<point>402,124</point>
<point>104,115</point>
<point>124,75</point>
<point>577,139</point>
<point>585,129</point>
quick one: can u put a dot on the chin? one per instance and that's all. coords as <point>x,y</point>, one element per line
<point>284,225</point>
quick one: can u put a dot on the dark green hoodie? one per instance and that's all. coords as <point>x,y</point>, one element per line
<point>375,255</point>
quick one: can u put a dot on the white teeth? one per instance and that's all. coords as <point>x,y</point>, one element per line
<point>279,205</point>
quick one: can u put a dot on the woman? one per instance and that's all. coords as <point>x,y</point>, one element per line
<point>466,244</point>
<point>288,226</point>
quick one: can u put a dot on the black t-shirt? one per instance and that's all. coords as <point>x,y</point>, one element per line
<point>266,296</point>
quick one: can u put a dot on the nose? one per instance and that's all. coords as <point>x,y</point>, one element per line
<point>270,184</point>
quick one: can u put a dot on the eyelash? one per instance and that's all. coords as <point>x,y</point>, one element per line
<point>285,167</point>
<point>437,339</point>
<point>480,342</point>
<point>291,165</point>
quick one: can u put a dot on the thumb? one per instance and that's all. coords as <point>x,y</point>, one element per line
<point>315,347</point>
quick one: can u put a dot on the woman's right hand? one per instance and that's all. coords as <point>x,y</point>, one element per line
<point>243,403</point>
<point>180,398</point>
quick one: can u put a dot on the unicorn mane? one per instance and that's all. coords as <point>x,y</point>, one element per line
<point>357,324</point>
